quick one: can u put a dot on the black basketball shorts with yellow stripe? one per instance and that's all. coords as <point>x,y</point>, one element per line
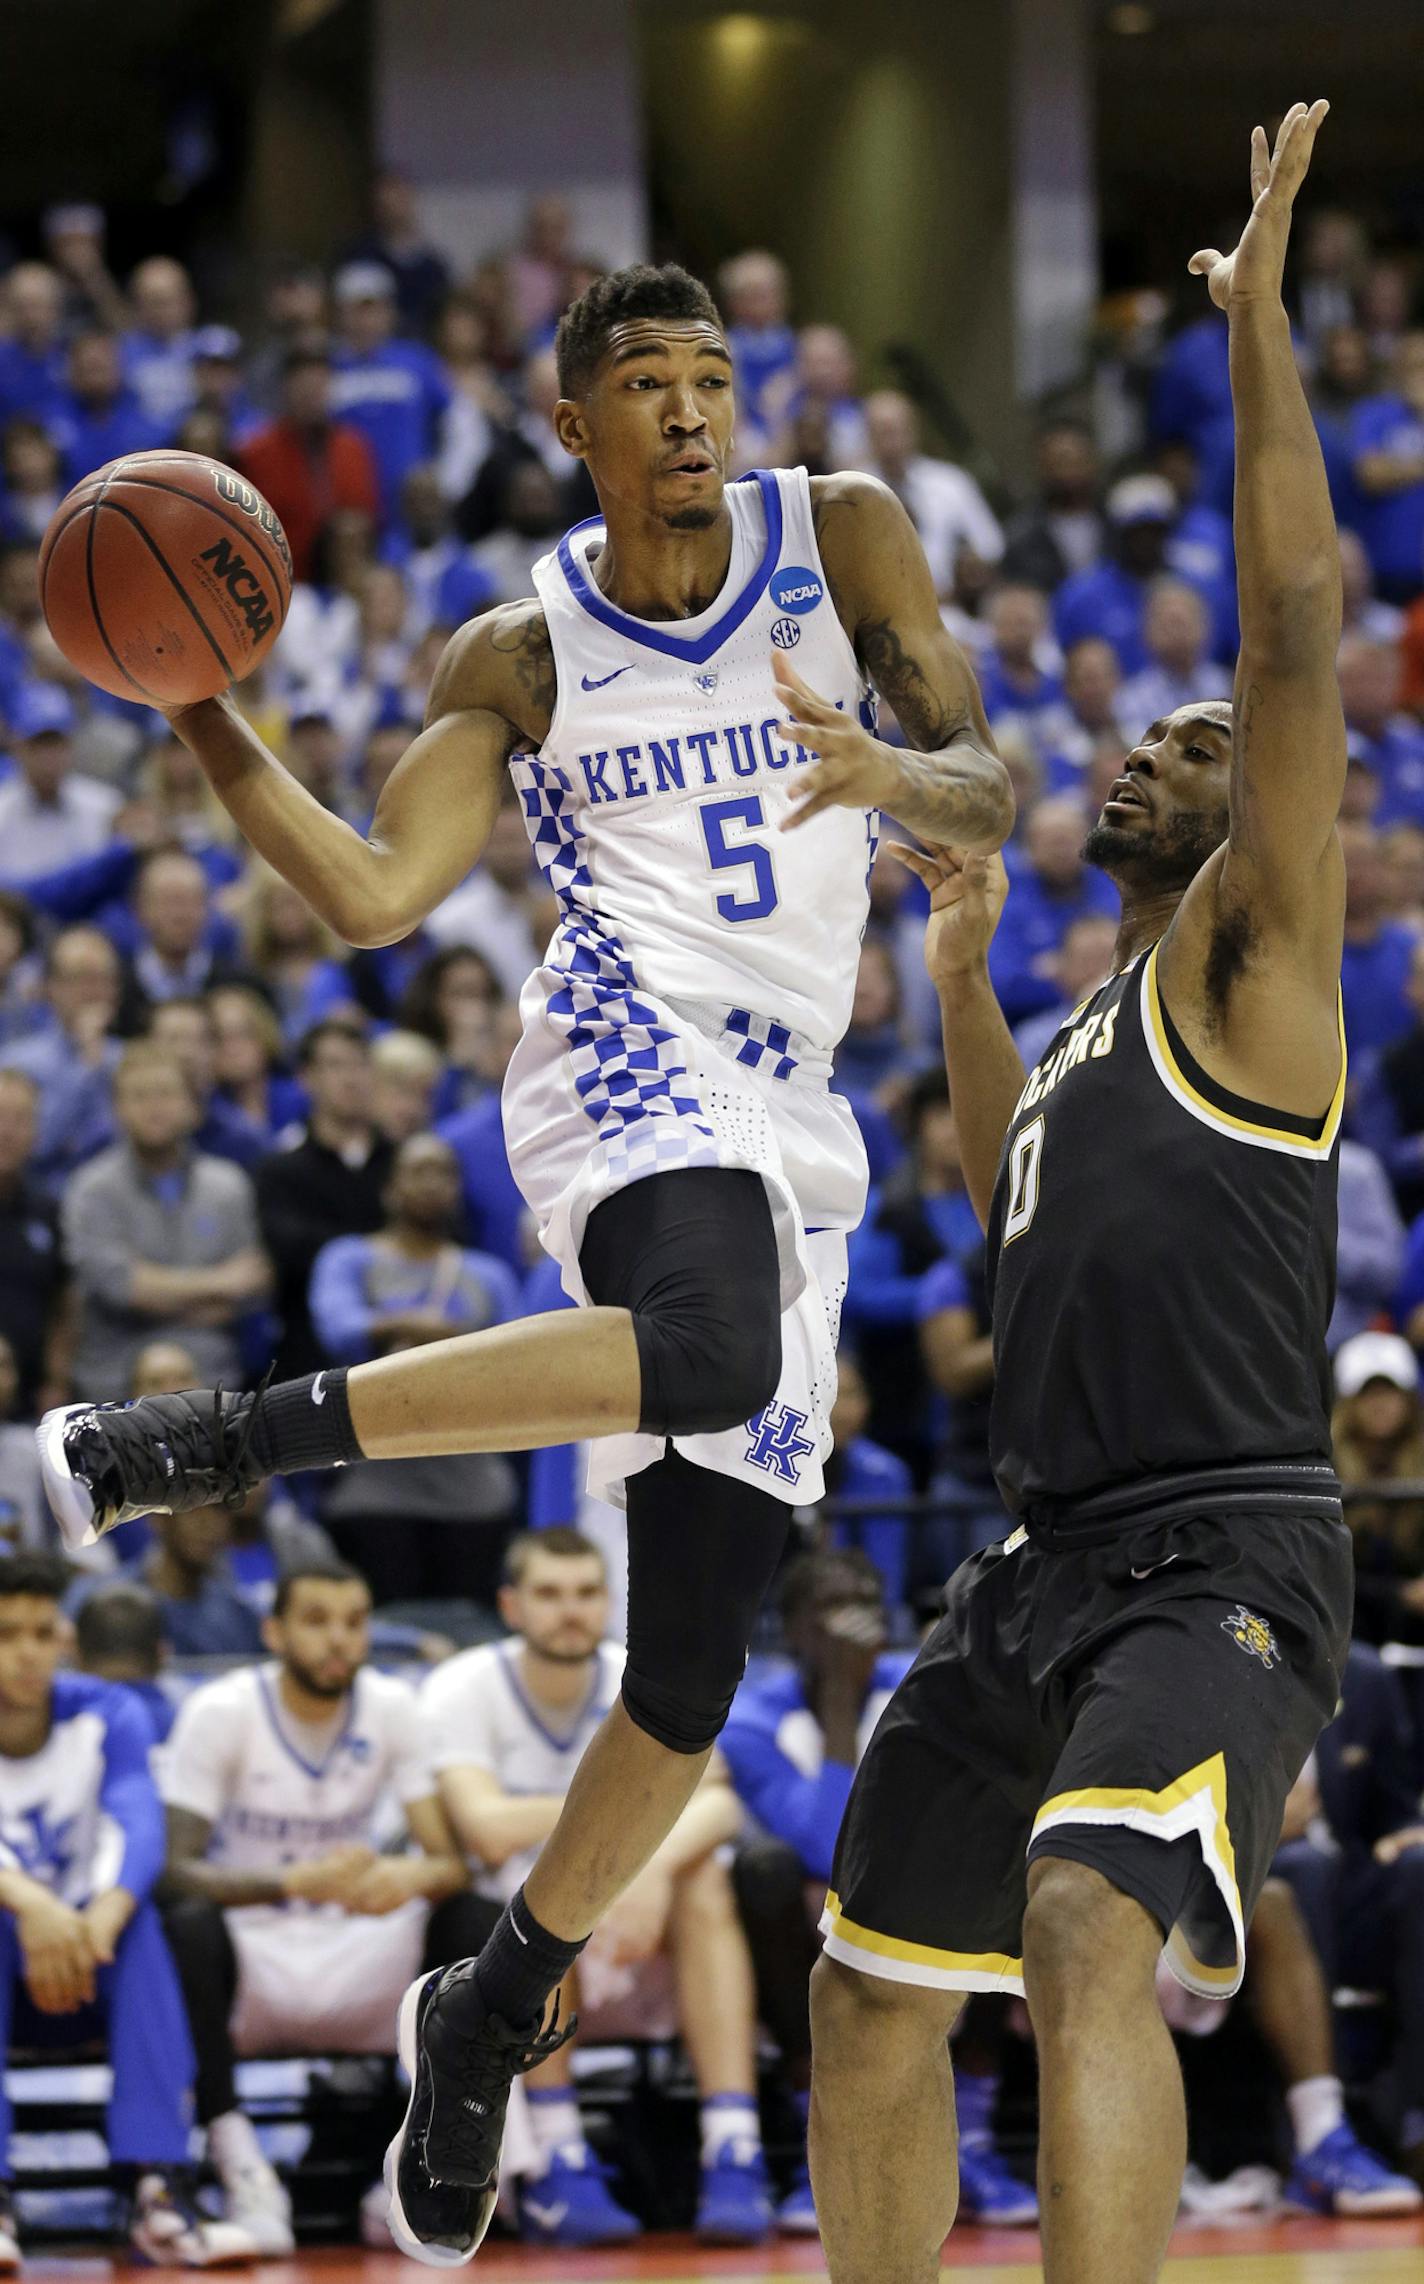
<point>1142,1706</point>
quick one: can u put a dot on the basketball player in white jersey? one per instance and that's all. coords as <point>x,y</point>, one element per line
<point>291,1928</point>
<point>685,707</point>
<point>510,1722</point>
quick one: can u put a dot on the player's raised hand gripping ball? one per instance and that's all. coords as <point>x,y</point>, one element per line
<point>164,577</point>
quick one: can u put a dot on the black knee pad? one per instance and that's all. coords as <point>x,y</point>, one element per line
<point>693,1255</point>
<point>702,1551</point>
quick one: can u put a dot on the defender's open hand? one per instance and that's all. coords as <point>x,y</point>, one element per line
<point>966,897</point>
<point>1256,267</point>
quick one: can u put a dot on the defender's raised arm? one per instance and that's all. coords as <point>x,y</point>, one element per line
<point>1289,749</point>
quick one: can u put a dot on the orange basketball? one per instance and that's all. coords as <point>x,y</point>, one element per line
<point>164,577</point>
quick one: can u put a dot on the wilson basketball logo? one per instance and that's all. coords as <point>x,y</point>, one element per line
<point>230,487</point>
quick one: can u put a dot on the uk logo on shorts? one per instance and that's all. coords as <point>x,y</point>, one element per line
<point>778,1441</point>
<point>1253,1635</point>
<point>796,589</point>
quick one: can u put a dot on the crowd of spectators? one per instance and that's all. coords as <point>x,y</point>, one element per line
<point>226,1139</point>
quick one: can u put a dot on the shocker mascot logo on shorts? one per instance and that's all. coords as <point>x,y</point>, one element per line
<point>1252,1633</point>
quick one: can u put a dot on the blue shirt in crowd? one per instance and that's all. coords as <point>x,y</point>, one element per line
<point>397,396</point>
<point>1397,758</point>
<point>495,1211</point>
<point>356,1281</point>
<point>31,382</point>
<point>775,1749</point>
<point>866,1470</point>
<point>1191,394</point>
<point>82,1815</point>
<point>1391,523</point>
<point>1035,921</point>
<point>1370,1254</point>
<point>87,439</point>
<point>1373,977</point>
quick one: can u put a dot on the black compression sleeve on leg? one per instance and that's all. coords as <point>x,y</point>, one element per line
<point>702,1551</point>
<point>693,1255</point>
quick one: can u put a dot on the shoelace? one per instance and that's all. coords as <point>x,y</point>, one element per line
<point>233,1495</point>
<point>485,2066</point>
<point>126,1451</point>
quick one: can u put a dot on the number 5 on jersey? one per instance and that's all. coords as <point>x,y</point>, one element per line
<point>741,816</point>
<point>1024,1157</point>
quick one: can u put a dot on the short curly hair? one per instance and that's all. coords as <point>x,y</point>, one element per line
<point>641,291</point>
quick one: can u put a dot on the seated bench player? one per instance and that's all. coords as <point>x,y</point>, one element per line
<point>81,1945</point>
<point>293,1931</point>
<point>510,1723</point>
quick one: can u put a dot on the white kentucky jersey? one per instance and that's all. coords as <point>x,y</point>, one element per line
<point>73,1814</point>
<point>655,800</point>
<point>482,1716</point>
<point>275,1793</point>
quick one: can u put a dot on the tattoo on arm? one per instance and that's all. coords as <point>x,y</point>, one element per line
<point>532,652</point>
<point>958,796</point>
<point>923,716</point>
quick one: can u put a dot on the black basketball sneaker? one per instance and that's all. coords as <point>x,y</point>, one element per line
<point>103,1464</point>
<point>442,2168</point>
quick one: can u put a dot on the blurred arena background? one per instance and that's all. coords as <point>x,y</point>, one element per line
<point>328,241</point>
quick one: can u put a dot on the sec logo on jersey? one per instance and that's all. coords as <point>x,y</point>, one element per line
<point>796,589</point>
<point>785,633</point>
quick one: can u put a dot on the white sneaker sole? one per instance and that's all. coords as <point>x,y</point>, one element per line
<point>69,1500</point>
<point>415,2248</point>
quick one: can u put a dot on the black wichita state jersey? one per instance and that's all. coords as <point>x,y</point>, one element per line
<point>1161,1257</point>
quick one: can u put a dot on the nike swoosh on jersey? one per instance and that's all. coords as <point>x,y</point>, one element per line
<point>1147,1573</point>
<point>605,678</point>
<point>318,1393</point>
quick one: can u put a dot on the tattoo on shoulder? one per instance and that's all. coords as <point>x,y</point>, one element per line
<point>526,643</point>
<point>922,714</point>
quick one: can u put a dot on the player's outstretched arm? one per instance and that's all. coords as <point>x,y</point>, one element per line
<point>493,690</point>
<point>1283,860</point>
<point>986,1073</point>
<point>952,787</point>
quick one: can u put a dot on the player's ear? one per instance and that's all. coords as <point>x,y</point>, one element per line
<point>571,428</point>
<point>508,1605</point>
<point>272,1635</point>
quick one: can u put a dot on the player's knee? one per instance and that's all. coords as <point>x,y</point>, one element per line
<point>860,2021</point>
<point>703,1895</point>
<point>686,1714</point>
<point>1277,1918</point>
<point>711,1358</point>
<point>1083,1937</point>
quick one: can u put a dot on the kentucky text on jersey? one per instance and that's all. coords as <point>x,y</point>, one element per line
<point>689,759</point>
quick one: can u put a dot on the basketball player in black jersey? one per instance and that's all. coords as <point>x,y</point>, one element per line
<point>1092,1754</point>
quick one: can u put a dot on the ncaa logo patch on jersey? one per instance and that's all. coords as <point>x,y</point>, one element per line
<point>796,589</point>
<point>1253,1635</point>
<point>785,633</point>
